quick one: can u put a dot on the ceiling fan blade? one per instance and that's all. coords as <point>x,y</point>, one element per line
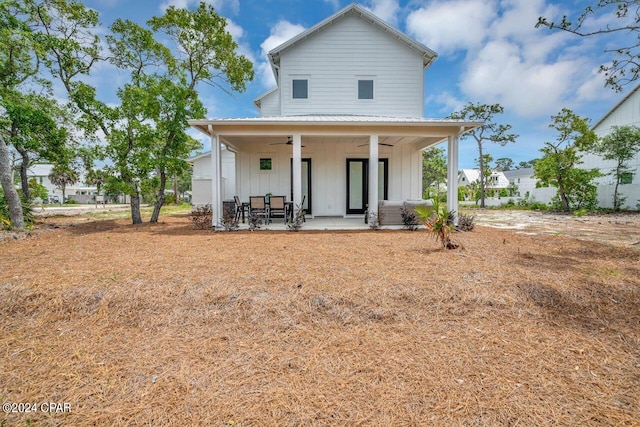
<point>379,143</point>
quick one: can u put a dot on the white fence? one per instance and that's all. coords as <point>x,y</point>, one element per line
<point>605,196</point>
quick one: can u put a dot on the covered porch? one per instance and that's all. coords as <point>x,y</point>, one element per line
<point>326,161</point>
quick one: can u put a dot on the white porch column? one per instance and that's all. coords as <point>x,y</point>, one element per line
<point>373,174</point>
<point>452,175</point>
<point>216,178</point>
<point>297,170</point>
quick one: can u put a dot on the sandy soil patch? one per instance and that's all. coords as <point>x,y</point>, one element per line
<point>165,325</point>
<point>620,228</point>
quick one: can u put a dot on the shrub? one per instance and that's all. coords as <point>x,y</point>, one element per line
<point>374,220</point>
<point>5,218</point>
<point>466,222</point>
<point>230,221</point>
<point>254,221</point>
<point>409,220</point>
<point>71,202</point>
<point>295,224</point>
<point>579,213</point>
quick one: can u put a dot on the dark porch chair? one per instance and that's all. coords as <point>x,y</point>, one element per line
<point>241,208</point>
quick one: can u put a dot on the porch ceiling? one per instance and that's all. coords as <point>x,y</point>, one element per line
<point>343,129</point>
<point>356,141</point>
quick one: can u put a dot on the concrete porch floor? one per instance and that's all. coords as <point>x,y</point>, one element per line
<point>320,223</point>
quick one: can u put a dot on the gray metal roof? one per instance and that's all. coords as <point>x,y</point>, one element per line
<point>335,119</point>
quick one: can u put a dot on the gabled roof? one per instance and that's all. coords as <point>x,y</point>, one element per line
<point>615,107</point>
<point>428,55</point>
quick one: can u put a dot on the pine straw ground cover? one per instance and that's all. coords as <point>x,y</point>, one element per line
<point>165,325</point>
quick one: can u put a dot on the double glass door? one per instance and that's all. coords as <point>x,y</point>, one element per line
<point>358,183</point>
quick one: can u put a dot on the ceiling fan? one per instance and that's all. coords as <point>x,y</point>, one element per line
<point>289,142</point>
<point>379,143</point>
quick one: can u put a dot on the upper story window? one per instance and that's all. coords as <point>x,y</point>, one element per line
<point>300,89</point>
<point>626,178</point>
<point>365,89</point>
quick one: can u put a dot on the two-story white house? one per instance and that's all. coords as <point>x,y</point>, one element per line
<point>345,126</point>
<point>496,182</point>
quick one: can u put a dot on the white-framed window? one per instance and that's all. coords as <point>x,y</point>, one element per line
<point>266,163</point>
<point>300,88</point>
<point>365,88</point>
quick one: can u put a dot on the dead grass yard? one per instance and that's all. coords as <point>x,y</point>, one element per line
<point>165,325</point>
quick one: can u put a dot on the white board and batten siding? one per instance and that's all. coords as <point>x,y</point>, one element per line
<point>328,164</point>
<point>333,62</point>
<point>201,178</point>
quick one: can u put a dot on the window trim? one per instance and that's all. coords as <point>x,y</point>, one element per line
<point>358,79</point>
<point>266,160</point>
<point>301,78</point>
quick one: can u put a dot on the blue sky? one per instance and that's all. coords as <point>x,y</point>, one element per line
<point>489,52</point>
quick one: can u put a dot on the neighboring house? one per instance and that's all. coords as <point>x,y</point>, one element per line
<point>79,191</point>
<point>496,182</point>
<point>201,177</point>
<point>349,94</point>
<point>626,112</point>
<point>525,184</point>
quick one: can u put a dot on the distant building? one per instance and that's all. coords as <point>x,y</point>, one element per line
<point>625,113</point>
<point>525,184</point>
<point>79,191</point>
<point>496,182</point>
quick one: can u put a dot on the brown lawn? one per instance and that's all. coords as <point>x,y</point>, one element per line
<point>166,325</point>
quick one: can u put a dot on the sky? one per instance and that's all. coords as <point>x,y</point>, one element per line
<point>489,51</point>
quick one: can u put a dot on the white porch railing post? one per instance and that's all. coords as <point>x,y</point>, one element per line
<point>373,174</point>
<point>297,170</point>
<point>216,178</point>
<point>452,175</point>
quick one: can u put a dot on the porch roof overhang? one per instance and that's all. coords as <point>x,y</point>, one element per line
<point>421,131</point>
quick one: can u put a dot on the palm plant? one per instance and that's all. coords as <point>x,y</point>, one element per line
<point>439,223</point>
<point>61,176</point>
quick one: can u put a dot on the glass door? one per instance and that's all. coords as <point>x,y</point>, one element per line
<point>358,183</point>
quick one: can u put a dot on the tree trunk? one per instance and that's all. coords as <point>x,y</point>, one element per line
<point>615,191</point>
<point>24,169</point>
<point>482,178</point>
<point>160,200</point>
<point>615,196</point>
<point>6,180</point>
<point>176,198</point>
<point>563,196</point>
<point>136,218</point>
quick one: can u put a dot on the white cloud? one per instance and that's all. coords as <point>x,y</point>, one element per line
<point>387,10</point>
<point>449,26</point>
<point>280,33</point>
<point>447,100</point>
<point>500,73</point>
<point>231,5</point>
<point>531,72</point>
